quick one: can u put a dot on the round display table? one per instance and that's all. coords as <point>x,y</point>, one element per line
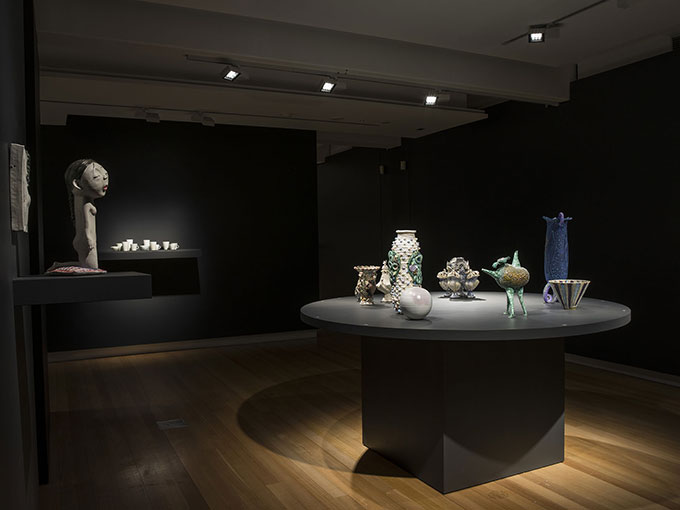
<point>466,395</point>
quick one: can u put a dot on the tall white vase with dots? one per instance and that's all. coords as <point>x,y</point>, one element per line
<point>405,264</point>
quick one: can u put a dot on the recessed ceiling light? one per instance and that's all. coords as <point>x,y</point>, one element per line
<point>327,85</point>
<point>536,34</point>
<point>430,100</point>
<point>231,72</point>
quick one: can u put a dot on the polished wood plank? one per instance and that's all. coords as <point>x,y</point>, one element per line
<point>278,426</point>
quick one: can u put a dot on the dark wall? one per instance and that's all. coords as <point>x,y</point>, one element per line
<point>245,196</point>
<point>18,466</point>
<point>609,158</point>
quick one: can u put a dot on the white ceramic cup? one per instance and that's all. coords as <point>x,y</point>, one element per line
<point>134,247</point>
<point>153,245</point>
<point>174,246</point>
<point>126,246</point>
<point>146,243</point>
<point>166,245</point>
<point>130,241</point>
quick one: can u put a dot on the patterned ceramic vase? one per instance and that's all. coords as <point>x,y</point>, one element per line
<point>365,287</point>
<point>556,257</point>
<point>569,292</point>
<point>405,264</point>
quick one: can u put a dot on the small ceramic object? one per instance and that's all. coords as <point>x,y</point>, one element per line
<point>405,263</point>
<point>461,280</point>
<point>126,246</point>
<point>117,247</point>
<point>153,245</point>
<point>556,257</point>
<point>442,277</point>
<point>569,292</point>
<point>145,247</point>
<point>134,247</point>
<point>130,241</point>
<point>512,278</point>
<point>384,285</point>
<point>416,303</point>
<point>166,245</point>
<point>174,246</point>
<point>365,287</point>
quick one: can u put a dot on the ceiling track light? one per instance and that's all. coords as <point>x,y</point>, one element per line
<point>203,118</point>
<point>232,72</point>
<point>536,34</point>
<point>431,99</point>
<point>328,85</point>
<point>152,117</point>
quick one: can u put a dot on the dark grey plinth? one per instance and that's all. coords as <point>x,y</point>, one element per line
<point>54,289</point>
<point>457,414</point>
<point>467,395</point>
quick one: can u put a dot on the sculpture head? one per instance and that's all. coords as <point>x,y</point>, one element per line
<point>86,178</point>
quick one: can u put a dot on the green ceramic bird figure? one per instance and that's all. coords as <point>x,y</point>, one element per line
<point>512,278</point>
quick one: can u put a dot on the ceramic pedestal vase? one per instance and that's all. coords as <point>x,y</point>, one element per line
<point>405,264</point>
<point>365,287</point>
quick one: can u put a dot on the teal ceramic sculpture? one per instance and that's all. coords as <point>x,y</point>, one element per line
<point>512,278</point>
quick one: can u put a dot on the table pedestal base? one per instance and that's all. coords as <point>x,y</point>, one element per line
<point>457,413</point>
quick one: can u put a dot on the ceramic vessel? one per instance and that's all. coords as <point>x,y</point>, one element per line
<point>416,303</point>
<point>512,278</point>
<point>442,277</point>
<point>556,257</point>
<point>569,292</point>
<point>461,279</point>
<point>365,287</point>
<point>405,265</point>
<point>384,285</point>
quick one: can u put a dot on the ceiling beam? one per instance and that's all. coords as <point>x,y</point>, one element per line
<point>258,41</point>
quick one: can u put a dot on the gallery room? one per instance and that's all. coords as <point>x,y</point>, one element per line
<point>285,254</point>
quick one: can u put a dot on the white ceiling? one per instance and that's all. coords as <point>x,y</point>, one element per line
<point>113,57</point>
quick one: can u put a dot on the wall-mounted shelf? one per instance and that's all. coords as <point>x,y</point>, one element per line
<point>145,255</point>
<point>54,289</point>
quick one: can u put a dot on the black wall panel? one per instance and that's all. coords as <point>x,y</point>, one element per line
<point>610,158</point>
<point>245,196</point>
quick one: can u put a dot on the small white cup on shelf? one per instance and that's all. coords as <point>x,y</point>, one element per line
<point>126,245</point>
<point>130,241</point>
<point>154,245</point>
<point>174,246</point>
<point>134,247</point>
<point>166,245</point>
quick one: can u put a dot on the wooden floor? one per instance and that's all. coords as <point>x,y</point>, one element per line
<point>278,426</point>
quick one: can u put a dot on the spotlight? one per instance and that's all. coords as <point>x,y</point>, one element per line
<point>231,72</point>
<point>430,100</point>
<point>536,34</point>
<point>327,85</point>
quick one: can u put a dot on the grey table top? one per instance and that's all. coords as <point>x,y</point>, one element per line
<point>467,319</point>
